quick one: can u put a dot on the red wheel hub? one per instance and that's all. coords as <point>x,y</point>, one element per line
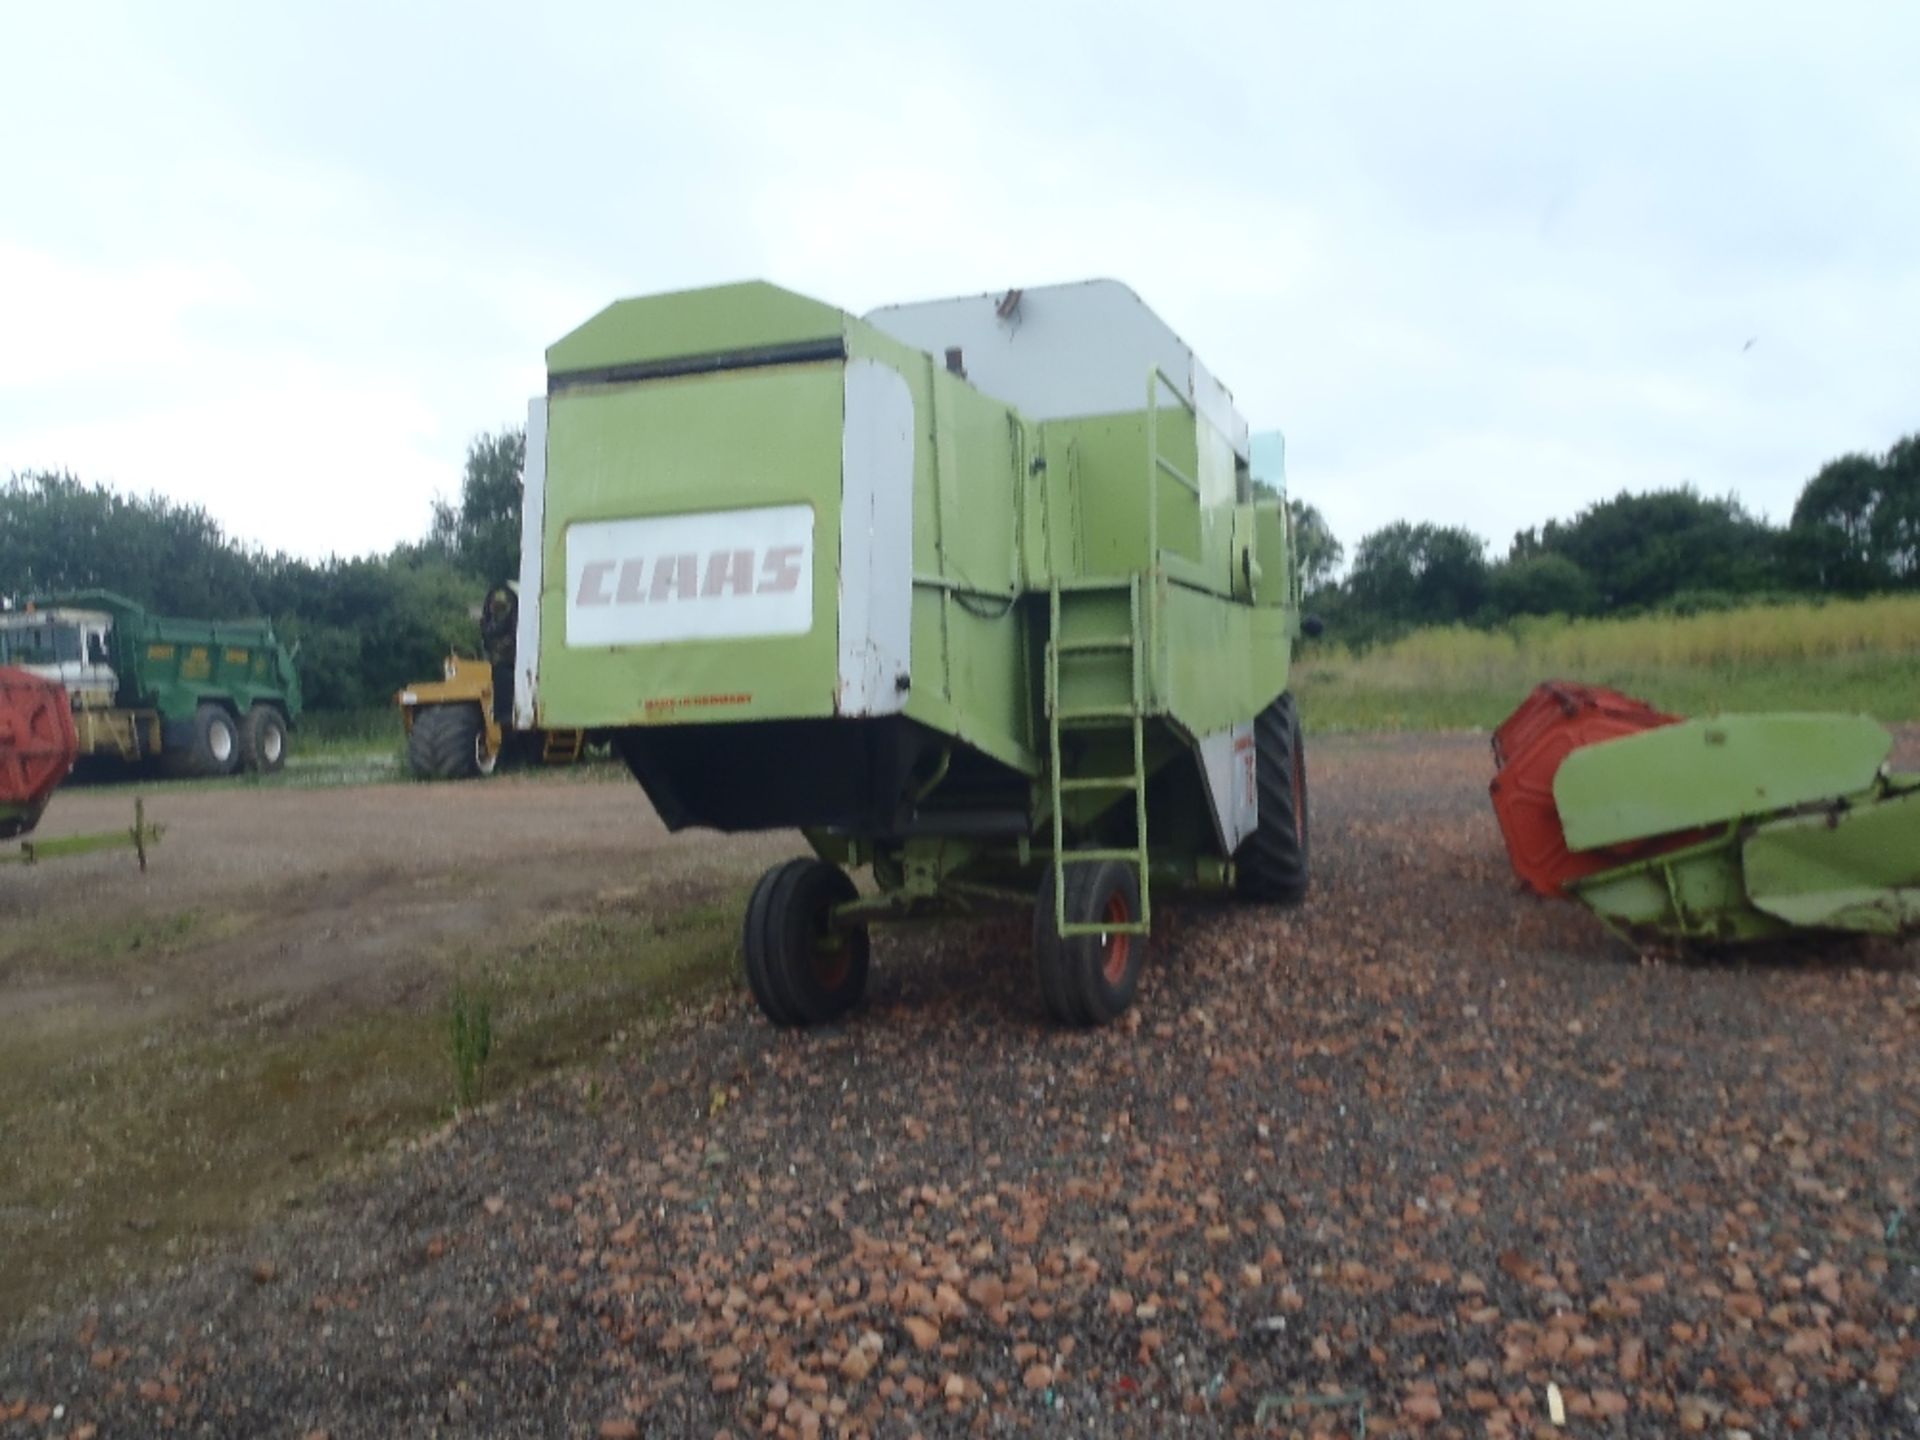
<point>1116,946</point>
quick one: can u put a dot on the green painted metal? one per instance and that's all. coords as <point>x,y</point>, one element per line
<point>1796,827</point>
<point>1705,772</point>
<point>1089,595</point>
<point>1853,867</point>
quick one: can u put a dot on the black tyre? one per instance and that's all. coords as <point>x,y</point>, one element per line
<point>263,740</point>
<point>1273,863</point>
<point>1089,979</point>
<point>448,742</point>
<point>800,966</point>
<point>214,749</point>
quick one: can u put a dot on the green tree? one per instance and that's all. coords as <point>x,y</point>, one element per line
<point>481,532</point>
<point>1317,553</point>
<point>1408,574</point>
<point>1540,584</point>
<point>1640,550</point>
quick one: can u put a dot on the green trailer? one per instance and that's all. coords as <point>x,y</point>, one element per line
<point>981,595</point>
<point>202,697</point>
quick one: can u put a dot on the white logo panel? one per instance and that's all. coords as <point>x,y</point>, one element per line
<point>724,575</point>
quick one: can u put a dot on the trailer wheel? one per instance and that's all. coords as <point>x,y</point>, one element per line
<point>448,742</point>
<point>801,968</point>
<point>263,740</point>
<point>1089,979</point>
<point>214,749</point>
<point>1273,863</point>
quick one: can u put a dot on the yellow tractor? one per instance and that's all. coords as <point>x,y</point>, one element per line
<point>461,725</point>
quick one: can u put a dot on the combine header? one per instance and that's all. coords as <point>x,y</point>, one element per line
<point>978,594</point>
<point>38,747</point>
<point>1739,827</point>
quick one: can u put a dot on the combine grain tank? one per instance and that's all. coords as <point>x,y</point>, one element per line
<point>1739,827</point>
<point>979,594</point>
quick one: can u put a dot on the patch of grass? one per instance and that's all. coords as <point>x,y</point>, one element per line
<point>470,1038</point>
<point>345,733</point>
<point>1847,655</point>
<point>128,1144</point>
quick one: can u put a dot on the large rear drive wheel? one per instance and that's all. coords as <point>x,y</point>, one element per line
<point>1273,864</point>
<point>802,968</point>
<point>448,742</point>
<point>214,749</point>
<point>263,740</point>
<point>1089,979</point>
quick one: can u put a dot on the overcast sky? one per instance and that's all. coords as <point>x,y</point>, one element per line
<point>1483,263</point>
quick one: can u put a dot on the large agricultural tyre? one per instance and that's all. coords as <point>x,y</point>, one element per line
<point>449,742</point>
<point>263,740</point>
<point>801,967</point>
<point>1274,863</point>
<point>1089,979</point>
<point>214,749</point>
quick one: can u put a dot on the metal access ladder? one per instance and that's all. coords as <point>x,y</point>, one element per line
<point>1062,717</point>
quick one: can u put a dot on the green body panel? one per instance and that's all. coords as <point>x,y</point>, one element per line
<point>172,666</point>
<point>1705,772</point>
<point>681,445</point>
<point>1856,868</point>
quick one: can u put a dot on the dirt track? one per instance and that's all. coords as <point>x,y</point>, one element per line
<point>312,891</point>
<point>1425,1148</point>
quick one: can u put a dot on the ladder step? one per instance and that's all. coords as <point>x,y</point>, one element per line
<point>1095,644</point>
<point>1101,782</point>
<point>1130,927</point>
<point>1100,713</point>
<point>1132,857</point>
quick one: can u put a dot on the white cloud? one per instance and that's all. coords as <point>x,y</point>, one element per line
<point>1485,263</point>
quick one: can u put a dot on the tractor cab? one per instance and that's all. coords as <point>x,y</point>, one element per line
<point>66,646</point>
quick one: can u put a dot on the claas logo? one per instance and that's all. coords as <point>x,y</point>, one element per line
<point>718,575</point>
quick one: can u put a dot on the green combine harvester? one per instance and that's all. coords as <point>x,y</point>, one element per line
<point>1733,828</point>
<point>993,598</point>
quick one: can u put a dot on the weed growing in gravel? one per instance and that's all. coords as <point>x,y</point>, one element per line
<point>470,1031</point>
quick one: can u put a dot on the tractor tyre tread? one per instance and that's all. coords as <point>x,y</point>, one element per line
<point>1072,972</point>
<point>1274,863</point>
<point>442,743</point>
<point>255,728</point>
<point>782,938</point>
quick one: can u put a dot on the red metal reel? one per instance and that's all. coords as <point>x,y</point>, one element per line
<point>1558,718</point>
<point>37,741</point>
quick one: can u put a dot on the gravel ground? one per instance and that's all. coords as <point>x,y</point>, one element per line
<point>1425,1156</point>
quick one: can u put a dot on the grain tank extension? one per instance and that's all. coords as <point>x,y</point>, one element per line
<point>975,593</point>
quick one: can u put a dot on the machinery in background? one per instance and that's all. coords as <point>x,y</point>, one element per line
<point>461,725</point>
<point>201,697</point>
<point>38,747</point>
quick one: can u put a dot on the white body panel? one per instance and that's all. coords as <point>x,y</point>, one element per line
<point>533,509</point>
<point>1227,760</point>
<point>1064,351</point>
<point>717,575</point>
<point>876,541</point>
